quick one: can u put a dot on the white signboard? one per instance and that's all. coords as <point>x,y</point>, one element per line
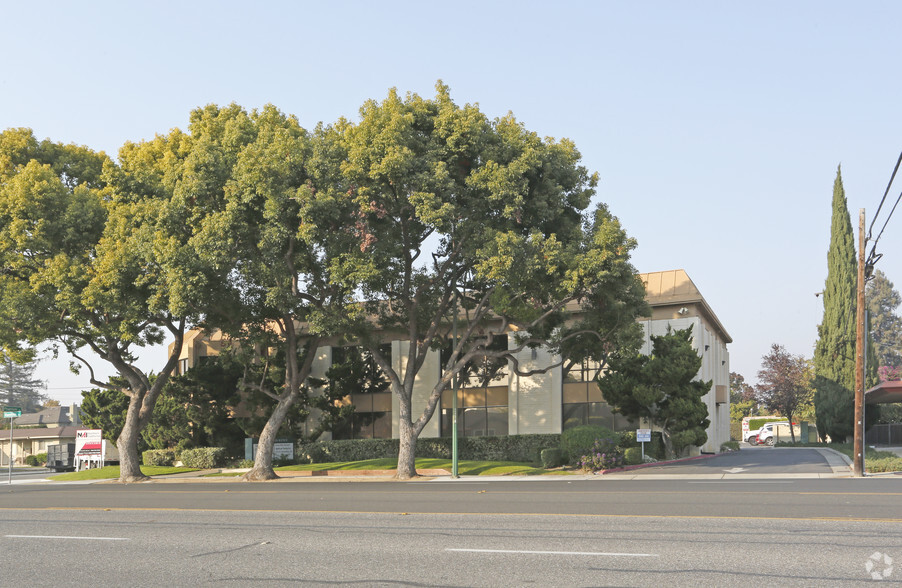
<point>88,442</point>
<point>643,435</point>
<point>89,448</point>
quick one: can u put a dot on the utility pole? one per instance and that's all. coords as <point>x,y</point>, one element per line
<point>857,436</point>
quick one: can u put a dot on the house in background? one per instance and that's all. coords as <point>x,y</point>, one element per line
<point>34,432</point>
<point>54,416</point>
<point>548,402</point>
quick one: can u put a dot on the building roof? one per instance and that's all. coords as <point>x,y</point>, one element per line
<point>54,415</point>
<point>41,433</point>
<point>674,287</point>
<point>884,393</point>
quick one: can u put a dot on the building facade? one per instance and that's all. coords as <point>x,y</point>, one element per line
<point>545,402</point>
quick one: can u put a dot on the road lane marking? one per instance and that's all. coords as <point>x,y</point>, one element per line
<point>66,537</point>
<point>458,514</point>
<point>529,552</point>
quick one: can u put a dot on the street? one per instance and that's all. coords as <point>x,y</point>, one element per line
<point>685,530</point>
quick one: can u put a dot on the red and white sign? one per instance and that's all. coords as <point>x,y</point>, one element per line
<point>88,442</point>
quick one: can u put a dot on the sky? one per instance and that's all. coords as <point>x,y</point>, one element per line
<point>716,127</point>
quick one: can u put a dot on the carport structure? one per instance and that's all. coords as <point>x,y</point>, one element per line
<point>884,393</point>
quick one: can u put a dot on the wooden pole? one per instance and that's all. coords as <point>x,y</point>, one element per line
<point>858,441</point>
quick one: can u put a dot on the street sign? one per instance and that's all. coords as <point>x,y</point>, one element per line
<point>643,435</point>
<point>12,412</point>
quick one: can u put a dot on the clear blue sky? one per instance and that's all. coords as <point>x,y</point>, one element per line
<point>716,127</point>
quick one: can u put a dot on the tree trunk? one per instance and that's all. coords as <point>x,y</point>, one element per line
<point>262,469</point>
<point>129,460</point>
<point>668,445</point>
<point>407,467</point>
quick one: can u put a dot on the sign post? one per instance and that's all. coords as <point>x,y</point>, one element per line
<point>11,412</point>
<point>643,435</point>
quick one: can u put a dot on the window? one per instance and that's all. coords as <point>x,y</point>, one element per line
<point>482,408</point>
<point>480,412</point>
<point>584,405</point>
<point>359,381</point>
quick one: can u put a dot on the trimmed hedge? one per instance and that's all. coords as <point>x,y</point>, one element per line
<point>522,448</point>
<point>578,441</point>
<point>159,457</point>
<point>552,457</point>
<point>632,456</point>
<point>203,457</point>
<point>758,423</point>
<point>38,459</point>
<point>736,430</point>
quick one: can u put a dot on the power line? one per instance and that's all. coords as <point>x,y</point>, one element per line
<point>874,257</point>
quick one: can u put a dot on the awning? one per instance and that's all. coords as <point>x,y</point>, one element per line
<point>884,393</point>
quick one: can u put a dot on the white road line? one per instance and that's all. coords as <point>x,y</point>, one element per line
<point>64,537</point>
<point>555,552</point>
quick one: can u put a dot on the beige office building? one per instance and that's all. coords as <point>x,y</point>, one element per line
<point>546,402</point>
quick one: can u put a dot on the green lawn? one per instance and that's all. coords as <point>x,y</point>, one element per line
<point>464,467</point>
<point>107,472</point>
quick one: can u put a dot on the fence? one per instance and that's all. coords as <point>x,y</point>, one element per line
<point>884,434</point>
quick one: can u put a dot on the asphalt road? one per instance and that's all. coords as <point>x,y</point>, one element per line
<point>603,531</point>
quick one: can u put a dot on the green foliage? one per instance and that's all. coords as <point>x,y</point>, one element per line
<point>578,441</point>
<point>159,457</point>
<point>743,408</point>
<point>552,457</point>
<point>520,448</point>
<point>785,383</point>
<point>38,459</point>
<point>505,217</point>
<point>632,456</point>
<point>834,354</point>
<point>662,388</point>
<point>883,464</point>
<point>886,325</point>
<point>105,410</point>
<point>653,448</point>
<point>604,454</point>
<point>758,423</point>
<point>353,371</point>
<point>729,446</point>
<point>195,409</point>
<point>204,457</point>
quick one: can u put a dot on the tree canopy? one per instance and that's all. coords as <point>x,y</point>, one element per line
<point>482,223</point>
<point>662,387</point>
<point>784,383</point>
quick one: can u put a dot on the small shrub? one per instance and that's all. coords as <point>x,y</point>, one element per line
<point>729,446</point>
<point>883,464</point>
<point>158,457</point>
<point>552,458</point>
<point>245,463</point>
<point>632,456</point>
<point>38,459</point>
<point>579,441</point>
<point>604,455</point>
<point>204,457</point>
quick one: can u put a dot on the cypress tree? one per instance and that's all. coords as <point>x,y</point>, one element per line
<point>834,354</point>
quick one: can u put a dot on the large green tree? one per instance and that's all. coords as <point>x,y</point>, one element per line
<point>483,223</point>
<point>283,236</point>
<point>93,258</point>
<point>886,325</point>
<point>662,387</point>
<point>834,354</point>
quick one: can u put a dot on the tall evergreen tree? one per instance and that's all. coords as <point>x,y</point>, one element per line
<point>834,354</point>
<point>18,386</point>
